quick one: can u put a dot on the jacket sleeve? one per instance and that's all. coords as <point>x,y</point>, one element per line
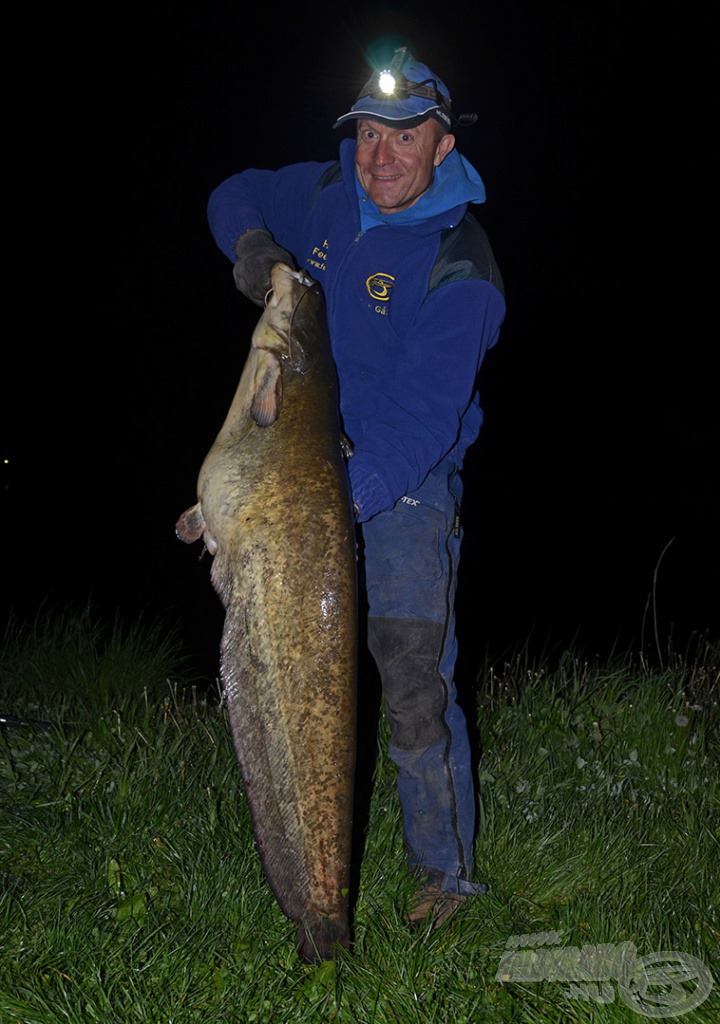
<point>415,416</point>
<point>275,200</point>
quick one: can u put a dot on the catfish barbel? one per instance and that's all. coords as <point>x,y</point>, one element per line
<point>275,511</point>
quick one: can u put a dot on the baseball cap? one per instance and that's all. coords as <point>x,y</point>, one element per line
<point>403,94</point>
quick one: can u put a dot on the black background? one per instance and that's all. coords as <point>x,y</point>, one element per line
<point>125,336</point>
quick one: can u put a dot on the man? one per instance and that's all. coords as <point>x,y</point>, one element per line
<point>414,300</point>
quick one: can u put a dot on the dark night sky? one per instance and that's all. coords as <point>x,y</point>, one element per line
<point>601,436</point>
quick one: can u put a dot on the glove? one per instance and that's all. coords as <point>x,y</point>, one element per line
<point>257,254</point>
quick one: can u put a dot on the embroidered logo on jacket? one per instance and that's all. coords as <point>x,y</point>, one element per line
<point>379,286</point>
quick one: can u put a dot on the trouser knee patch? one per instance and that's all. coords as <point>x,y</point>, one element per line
<point>407,653</point>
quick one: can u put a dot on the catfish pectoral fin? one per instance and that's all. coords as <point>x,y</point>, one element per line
<point>267,389</point>
<point>191,525</point>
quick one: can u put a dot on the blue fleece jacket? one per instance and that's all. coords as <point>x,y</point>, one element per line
<point>410,319</point>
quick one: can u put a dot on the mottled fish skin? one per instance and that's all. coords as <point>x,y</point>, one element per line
<point>275,511</point>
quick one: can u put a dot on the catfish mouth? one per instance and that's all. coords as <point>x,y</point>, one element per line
<point>280,339</point>
<point>280,271</point>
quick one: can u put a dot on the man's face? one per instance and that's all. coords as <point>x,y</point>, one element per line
<point>396,165</point>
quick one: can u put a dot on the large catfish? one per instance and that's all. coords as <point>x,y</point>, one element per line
<point>275,512</point>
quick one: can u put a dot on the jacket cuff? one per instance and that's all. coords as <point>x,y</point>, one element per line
<point>369,492</point>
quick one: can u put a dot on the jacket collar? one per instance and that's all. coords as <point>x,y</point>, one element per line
<point>456,184</point>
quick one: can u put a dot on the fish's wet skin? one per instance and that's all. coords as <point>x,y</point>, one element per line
<point>275,511</point>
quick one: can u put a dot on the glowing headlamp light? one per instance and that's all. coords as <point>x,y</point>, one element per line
<point>386,83</point>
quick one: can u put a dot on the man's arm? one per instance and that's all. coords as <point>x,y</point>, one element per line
<point>415,415</point>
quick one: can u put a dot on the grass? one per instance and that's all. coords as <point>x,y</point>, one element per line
<point>130,889</point>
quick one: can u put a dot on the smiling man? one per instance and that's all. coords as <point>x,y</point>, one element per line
<point>414,301</point>
<point>395,166</point>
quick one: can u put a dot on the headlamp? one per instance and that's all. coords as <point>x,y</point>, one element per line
<point>391,84</point>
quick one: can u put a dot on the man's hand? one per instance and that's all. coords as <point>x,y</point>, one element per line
<point>257,254</point>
